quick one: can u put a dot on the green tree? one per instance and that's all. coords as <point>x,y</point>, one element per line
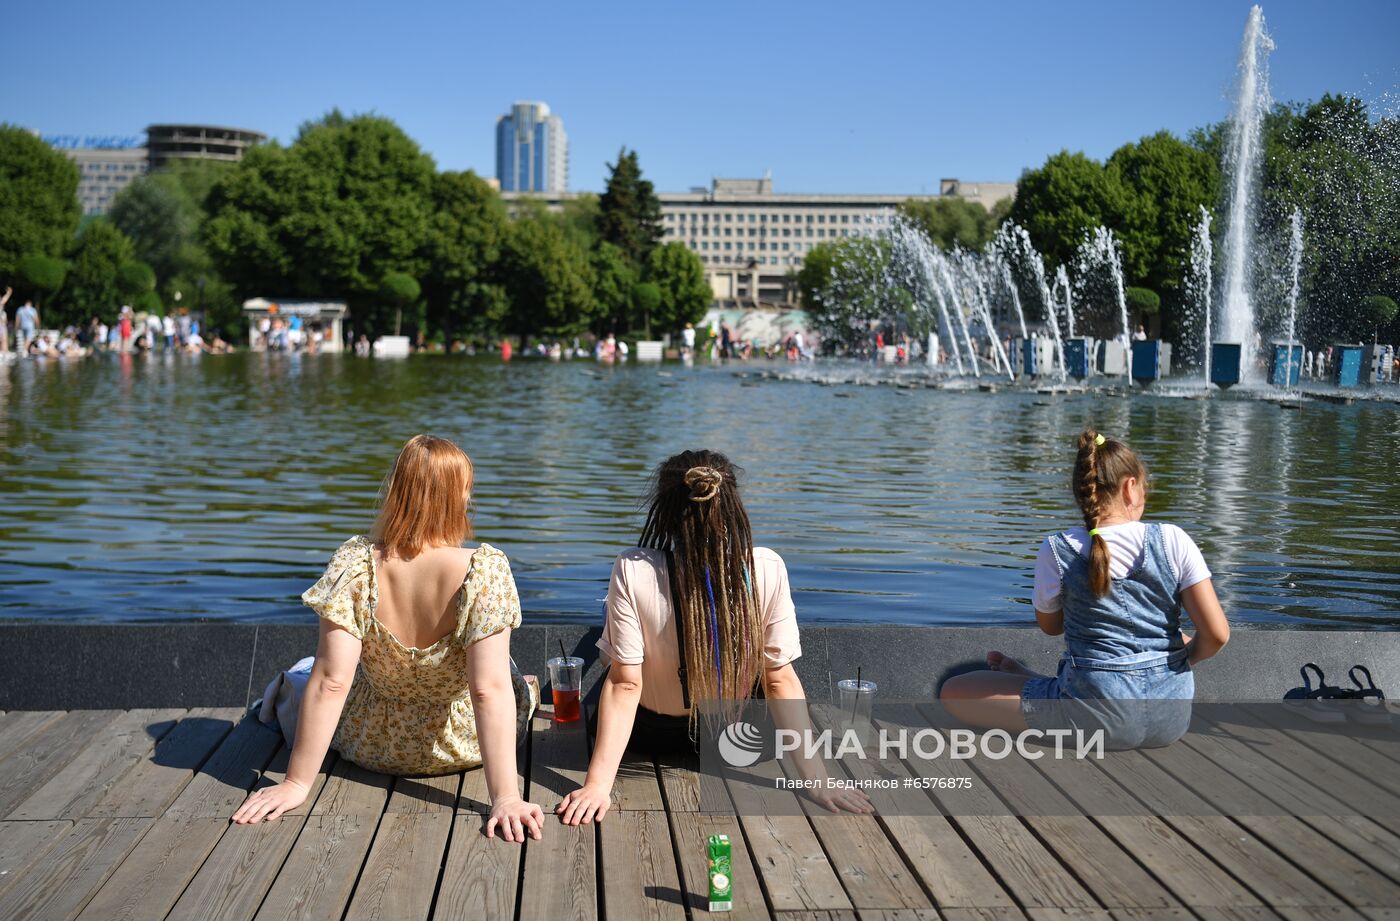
<point>42,275</point>
<point>549,281</point>
<point>329,216</point>
<point>91,288</point>
<point>463,242</point>
<point>400,291</point>
<point>38,200</point>
<point>685,294</point>
<point>614,286</point>
<point>164,214</point>
<point>135,278</point>
<point>845,287</point>
<point>1377,311</point>
<point>629,211</point>
<point>951,221</point>
<point>646,301</point>
<point>1063,200</point>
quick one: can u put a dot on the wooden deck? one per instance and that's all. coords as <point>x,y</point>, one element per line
<point>123,814</point>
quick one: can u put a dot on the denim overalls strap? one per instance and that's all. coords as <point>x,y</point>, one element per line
<point>1136,625</point>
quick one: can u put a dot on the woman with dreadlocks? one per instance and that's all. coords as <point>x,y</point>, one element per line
<point>696,613</point>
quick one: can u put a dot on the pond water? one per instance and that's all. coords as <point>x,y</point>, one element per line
<point>216,487</point>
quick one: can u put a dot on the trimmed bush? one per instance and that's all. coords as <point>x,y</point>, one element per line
<point>1142,301</point>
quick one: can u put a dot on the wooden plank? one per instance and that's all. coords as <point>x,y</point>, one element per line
<point>1349,879</point>
<point>150,786</point>
<point>60,884</point>
<point>690,832</point>
<point>871,870</point>
<point>480,877</point>
<point>680,782</point>
<point>151,878</point>
<point>421,795</point>
<point>474,796</point>
<point>1233,847</point>
<point>795,872</point>
<point>1028,869</point>
<point>222,784</point>
<point>17,726</point>
<point>238,873</point>
<point>637,786</point>
<point>948,869</point>
<point>1355,773</point>
<point>560,878</point>
<point>402,870</point>
<point>1105,868</point>
<point>640,879</point>
<point>93,771</point>
<point>22,843</point>
<point>353,790</point>
<point>316,882</point>
<point>1243,750</point>
<point>1191,876</point>
<point>46,752</point>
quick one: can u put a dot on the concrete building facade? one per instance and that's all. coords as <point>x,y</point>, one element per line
<point>532,150</point>
<point>166,144</point>
<point>103,172</point>
<point>753,240</point>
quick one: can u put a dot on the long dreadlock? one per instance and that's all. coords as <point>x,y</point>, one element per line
<point>694,511</point>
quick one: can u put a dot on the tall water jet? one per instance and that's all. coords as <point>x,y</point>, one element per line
<point>1295,266</point>
<point>941,262</point>
<point>1014,239</point>
<point>1010,283</point>
<point>1242,157</point>
<point>1100,250</point>
<point>1199,281</point>
<point>970,266</point>
<point>1063,287</point>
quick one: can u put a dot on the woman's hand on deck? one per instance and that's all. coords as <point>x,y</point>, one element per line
<point>841,800</point>
<point>585,804</point>
<point>514,817</point>
<point>270,802</point>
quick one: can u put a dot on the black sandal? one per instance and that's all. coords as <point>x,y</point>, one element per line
<point>1315,702</point>
<point>1371,708</point>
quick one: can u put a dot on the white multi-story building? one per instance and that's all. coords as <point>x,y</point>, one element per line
<point>532,150</point>
<point>753,240</point>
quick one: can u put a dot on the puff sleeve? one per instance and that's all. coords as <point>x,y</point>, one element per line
<point>342,595</point>
<point>490,602</point>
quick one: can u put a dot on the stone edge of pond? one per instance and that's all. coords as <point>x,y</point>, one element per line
<point>82,666</point>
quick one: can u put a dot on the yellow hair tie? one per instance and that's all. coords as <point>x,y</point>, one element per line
<point>1099,440</point>
<point>1093,532</point>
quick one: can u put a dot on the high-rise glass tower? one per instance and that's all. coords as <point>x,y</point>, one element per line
<point>532,151</point>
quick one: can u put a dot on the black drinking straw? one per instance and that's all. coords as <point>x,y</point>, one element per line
<point>855,698</point>
<point>562,653</point>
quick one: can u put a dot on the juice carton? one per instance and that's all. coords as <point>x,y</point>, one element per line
<point>721,882</point>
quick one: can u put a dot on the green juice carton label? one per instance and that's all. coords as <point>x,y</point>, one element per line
<point>721,893</point>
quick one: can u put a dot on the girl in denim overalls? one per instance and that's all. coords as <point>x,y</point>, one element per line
<point>1115,589</point>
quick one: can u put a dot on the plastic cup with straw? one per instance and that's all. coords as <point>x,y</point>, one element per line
<point>565,681</point>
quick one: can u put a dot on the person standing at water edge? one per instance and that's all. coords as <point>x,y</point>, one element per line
<point>26,326</point>
<point>1115,589</point>
<point>696,613</point>
<point>413,673</point>
<point>688,340</point>
<point>5,321</point>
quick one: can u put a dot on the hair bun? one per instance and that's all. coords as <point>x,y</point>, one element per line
<point>704,483</point>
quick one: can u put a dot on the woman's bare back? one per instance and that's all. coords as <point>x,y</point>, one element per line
<point>418,597</point>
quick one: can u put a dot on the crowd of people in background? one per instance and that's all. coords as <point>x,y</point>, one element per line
<point>132,332</point>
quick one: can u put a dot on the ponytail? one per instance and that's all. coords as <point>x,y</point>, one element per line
<point>1099,471</point>
<point>1086,493</point>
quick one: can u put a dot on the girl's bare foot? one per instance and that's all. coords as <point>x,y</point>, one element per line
<point>1001,662</point>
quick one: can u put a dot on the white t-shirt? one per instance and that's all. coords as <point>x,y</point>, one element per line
<point>1125,547</point>
<point>688,337</point>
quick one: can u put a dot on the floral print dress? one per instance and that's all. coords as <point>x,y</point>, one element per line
<point>409,710</point>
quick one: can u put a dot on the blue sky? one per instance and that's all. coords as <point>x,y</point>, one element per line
<point>832,97</point>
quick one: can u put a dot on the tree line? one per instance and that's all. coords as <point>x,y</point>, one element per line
<point>352,209</point>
